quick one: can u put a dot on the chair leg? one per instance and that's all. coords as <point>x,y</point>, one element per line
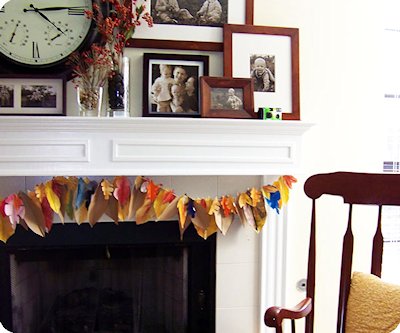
<point>293,326</point>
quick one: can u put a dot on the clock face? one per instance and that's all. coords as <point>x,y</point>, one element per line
<point>43,32</point>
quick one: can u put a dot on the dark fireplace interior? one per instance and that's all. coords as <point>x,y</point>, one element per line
<point>109,278</point>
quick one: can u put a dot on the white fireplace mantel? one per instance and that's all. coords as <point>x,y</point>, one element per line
<point>148,146</point>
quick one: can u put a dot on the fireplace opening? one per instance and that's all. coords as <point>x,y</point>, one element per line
<point>120,279</point>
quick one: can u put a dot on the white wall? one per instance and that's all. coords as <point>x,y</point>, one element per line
<point>340,92</point>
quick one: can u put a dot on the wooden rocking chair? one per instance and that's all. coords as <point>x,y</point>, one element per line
<point>356,189</point>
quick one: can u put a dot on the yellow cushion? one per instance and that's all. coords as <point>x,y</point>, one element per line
<point>373,305</point>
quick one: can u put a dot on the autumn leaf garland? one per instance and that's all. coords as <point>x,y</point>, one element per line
<point>83,200</point>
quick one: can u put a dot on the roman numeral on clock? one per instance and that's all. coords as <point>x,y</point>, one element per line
<point>35,50</point>
<point>76,11</point>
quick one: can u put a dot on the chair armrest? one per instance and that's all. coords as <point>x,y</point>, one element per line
<point>274,315</point>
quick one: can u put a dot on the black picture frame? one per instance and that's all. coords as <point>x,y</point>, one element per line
<point>187,102</point>
<point>32,95</point>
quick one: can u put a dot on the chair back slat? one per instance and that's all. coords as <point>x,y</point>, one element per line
<point>345,274</point>
<point>377,247</point>
<point>311,271</point>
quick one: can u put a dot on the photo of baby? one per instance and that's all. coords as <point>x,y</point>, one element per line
<point>262,70</point>
<point>190,12</point>
<point>227,98</point>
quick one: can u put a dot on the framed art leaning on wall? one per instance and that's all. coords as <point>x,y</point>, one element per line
<point>33,95</point>
<point>270,56</point>
<point>171,84</point>
<point>223,97</point>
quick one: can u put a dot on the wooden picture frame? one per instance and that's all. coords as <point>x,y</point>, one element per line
<point>224,97</point>
<point>23,95</point>
<point>278,49</point>
<point>196,38</point>
<point>178,95</point>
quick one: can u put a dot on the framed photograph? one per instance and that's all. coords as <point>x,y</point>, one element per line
<point>191,24</point>
<point>23,96</point>
<point>171,84</point>
<point>269,55</point>
<point>223,97</point>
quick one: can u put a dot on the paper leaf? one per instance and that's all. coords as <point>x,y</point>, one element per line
<point>289,180</point>
<point>107,188</point>
<point>122,190</point>
<point>98,206</point>
<point>14,209</point>
<point>163,199</point>
<point>40,192</point>
<point>146,212</point>
<point>152,190</point>
<point>260,216</point>
<point>248,214</point>
<point>170,211</point>
<point>48,214</point>
<point>52,197</point>
<point>182,209</point>
<point>33,217</point>
<point>136,200</point>
<point>6,229</point>
<point>215,206</point>
<point>244,200</point>
<point>256,196</point>
<point>227,205</point>
<point>112,209</point>
<point>201,219</point>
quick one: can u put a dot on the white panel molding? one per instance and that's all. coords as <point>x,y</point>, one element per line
<point>158,146</point>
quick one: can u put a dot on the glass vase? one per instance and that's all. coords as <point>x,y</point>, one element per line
<point>90,101</point>
<point>118,91</point>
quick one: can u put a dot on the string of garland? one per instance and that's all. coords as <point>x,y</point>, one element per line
<point>85,200</point>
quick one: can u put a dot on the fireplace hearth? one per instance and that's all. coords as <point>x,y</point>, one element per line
<point>109,278</point>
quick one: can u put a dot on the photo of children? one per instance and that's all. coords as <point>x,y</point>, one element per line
<point>227,98</point>
<point>190,12</point>
<point>174,89</point>
<point>262,70</point>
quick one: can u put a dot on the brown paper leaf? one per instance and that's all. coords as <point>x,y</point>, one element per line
<point>81,214</point>
<point>170,212</point>
<point>136,201</point>
<point>201,219</point>
<point>98,206</point>
<point>112,209</point>
<point>34,217</point>
<point>248,214</point>
<point>146,212</point>
<point>260,215</point>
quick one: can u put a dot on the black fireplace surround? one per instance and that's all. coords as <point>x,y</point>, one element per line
<point>83,242</point>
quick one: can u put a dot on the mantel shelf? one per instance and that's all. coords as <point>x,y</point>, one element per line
<point>148,146</point>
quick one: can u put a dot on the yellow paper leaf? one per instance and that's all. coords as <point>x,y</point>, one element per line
<point>182,209</point>
<point>244,200</point>
<point>256,196</point>
<point>40,191</point>
<point>52,197</point>
<point>107,188</point>
<point>260,215</point>
<point>215,206</point>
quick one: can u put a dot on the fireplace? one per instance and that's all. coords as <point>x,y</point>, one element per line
<point>108,278</point>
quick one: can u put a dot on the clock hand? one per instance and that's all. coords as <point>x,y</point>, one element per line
<point>53,8</point>
<point>45,17</point>
<point>13,33</point>
<point>55,37</point>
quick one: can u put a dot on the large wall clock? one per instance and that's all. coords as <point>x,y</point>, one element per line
<point>39,35</point>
